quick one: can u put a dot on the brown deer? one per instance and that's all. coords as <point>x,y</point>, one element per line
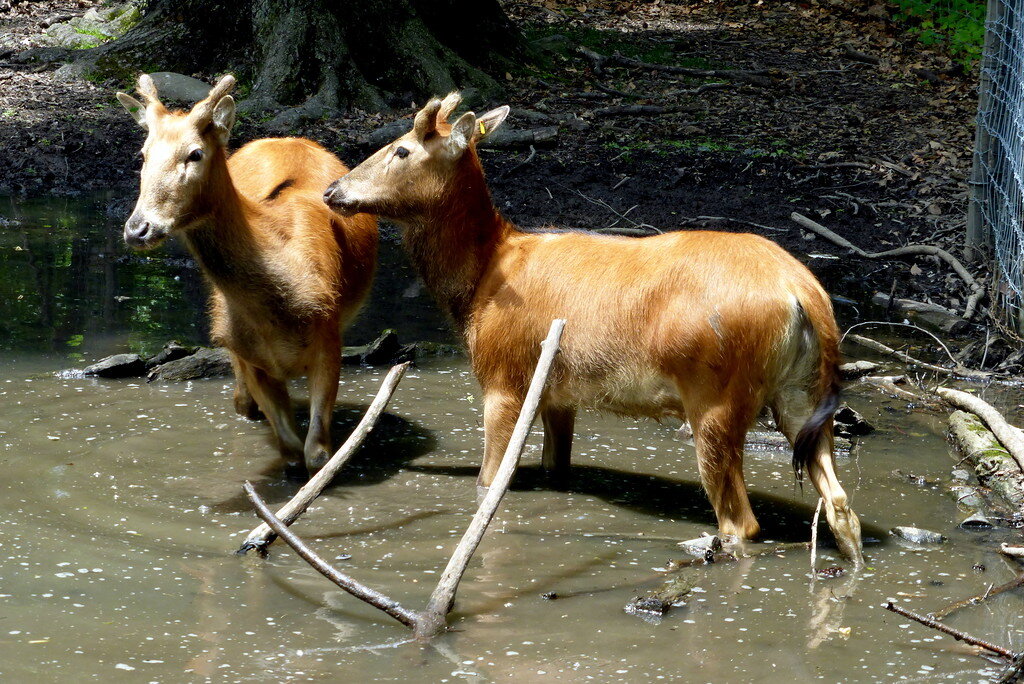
<point>705,326</point>
<point>286,273</point>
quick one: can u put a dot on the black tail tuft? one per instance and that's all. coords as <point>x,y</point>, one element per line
<point>807,439</point>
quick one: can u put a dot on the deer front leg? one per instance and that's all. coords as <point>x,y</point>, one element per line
<point>501,410</point>
<point>271,396</point>
<point>323,391</point>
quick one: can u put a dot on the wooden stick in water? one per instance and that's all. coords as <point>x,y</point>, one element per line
<point>376,599</point>
<point>262,536</point>
<point>955,633</point>
<point>443,598</point>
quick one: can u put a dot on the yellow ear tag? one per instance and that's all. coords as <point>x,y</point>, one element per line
<point>483,129</point>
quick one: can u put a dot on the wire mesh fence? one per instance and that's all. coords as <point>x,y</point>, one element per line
<point>997,198</point>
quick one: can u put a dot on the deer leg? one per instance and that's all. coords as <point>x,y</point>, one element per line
<point>323,390</point>
<point>791,411</point>
<point>718,434</point>
<point>245,404</point>
<point>272,397</point>
<point>500,414</point>
<point>559,422</point>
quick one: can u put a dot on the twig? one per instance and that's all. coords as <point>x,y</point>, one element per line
<point>955,633</point>
<point>529,158</point>
<point>700,219</point>
<point>262,536</point>
<point>905,325</point>
<point>362,592</point>
<point>814,536</point>
<point>1008,435</point>
<point>907,358</point>
<point>887,383</point>
<point>975,600</point>
<point>602,203</point>
<point>977,291</point>
<point>443,598</point>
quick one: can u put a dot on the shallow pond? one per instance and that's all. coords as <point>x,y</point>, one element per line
<point>122,506</point>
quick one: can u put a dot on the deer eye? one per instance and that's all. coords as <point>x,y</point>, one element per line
<point>401,153</point>
<point>195,155</point>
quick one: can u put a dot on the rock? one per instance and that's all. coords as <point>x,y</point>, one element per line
<point>506,138</point>
<point>381,351</point>
<point>179,87</point>
<point>917,535</point>
<point>556,42</point>
<point>831,572</point>
<point>128,18</point>
<point>118,366</point>
<point>654,605</point>
<point>857,369</point>
<point>850,423</point>
<point>74,71</point>
<point>204,363</point>
<point>976,521</point>
<point>172,351</point>
<point>65,35</point>
<point>701,546</point>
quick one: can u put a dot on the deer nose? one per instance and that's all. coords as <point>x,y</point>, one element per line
<point>136,231</point>
<point>329,193</point>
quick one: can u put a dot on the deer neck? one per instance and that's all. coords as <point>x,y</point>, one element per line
<point>453,243</point>
<point>222,238</point>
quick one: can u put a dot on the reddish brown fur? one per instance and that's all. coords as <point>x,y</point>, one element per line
<point>286,273</point>
<point>705,326</point>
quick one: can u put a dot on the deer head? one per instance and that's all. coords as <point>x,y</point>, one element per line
<point>403,179</point>
<point>176,159</point>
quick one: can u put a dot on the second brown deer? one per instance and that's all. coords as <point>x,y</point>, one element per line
<point>286,273</point>
<point>708,327</point>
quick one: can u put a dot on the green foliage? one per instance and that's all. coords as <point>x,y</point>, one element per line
<point>959,25</point>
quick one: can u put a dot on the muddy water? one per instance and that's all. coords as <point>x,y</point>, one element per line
<point>121,506</point>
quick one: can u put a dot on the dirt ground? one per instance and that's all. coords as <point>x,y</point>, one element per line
<point>819,107</point>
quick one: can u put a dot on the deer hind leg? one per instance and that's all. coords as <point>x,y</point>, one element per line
<point>719,433</point>
<point>559,423</point>
<point>501,410</point>
<point>791,410</point>
<point>323,391</point>
<point>245,404</point>
<point>272,397</point>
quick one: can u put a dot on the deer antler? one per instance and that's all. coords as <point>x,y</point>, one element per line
<point>448,105</point>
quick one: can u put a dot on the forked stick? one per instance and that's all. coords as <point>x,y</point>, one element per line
<point>443,598</point>
<point>359,590</point>
<point>431,621</point>
<point>262,536</point>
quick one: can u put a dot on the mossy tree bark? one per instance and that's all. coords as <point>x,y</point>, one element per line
<point>309,57</point>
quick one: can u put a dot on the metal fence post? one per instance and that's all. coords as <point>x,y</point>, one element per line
<point>978,237</point>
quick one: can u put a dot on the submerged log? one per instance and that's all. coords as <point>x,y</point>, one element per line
<point>994,466</point>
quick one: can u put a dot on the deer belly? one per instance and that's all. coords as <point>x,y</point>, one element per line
<point>637,393</point>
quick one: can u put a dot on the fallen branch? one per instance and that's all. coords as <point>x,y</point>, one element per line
<point>364,593</point>
<point>443,598</point>
<point>641,110</point>
<point>1010,436</point>
<point>887,384</point>
<point>955,633</point>
<point>980,598</point>
<point>958,370</point>
<point>977,291</point>
<point>262,536</point>
<point>992,463</point>
<point>1011,551</point>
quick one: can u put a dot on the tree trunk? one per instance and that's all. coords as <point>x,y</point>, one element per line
<point>307,58</point>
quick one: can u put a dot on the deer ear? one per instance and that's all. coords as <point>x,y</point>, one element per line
<point>462,133</point>
<point>134,107</point>
<point>223,118</point>
<point>489,122</point>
